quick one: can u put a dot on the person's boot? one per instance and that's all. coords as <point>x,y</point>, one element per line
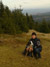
<point>39,55</point>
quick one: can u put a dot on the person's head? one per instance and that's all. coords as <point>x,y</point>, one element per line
<point>34,35</point>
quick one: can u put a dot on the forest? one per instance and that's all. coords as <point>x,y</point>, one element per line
<point>15,22</point>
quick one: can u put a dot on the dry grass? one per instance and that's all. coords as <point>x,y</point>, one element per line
<point>11,48</point>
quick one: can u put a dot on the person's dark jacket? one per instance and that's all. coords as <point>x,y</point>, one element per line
<point>36,43</point>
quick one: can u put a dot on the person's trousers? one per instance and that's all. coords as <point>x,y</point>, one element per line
<point>37,53</point>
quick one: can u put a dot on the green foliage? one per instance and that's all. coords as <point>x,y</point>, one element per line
<point>30,21</point>
<point>37,25</point>
<point>44,27</point>
<point>12,22</point>
<point>1,9</point>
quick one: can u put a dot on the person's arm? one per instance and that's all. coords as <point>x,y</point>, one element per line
<point>38,43</point>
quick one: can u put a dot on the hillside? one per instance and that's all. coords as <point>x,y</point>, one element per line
<point>12,46</point>
<point>39,17</point>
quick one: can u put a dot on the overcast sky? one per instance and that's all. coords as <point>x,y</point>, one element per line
<point>27,3</point>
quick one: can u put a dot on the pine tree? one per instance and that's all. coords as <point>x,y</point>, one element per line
<point>1,9</point>
<point>30,21</point>
<point>44,27</point>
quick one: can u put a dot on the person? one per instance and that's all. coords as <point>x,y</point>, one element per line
<point>36,47</point>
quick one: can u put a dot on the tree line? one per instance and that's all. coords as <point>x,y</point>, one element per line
<point>14,22</point>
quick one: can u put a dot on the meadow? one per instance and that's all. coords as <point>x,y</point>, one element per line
<point>12,46</point>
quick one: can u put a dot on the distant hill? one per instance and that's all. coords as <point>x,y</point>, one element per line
<point>35,11</point>
<point>39,17</point>
<point>39,14</point>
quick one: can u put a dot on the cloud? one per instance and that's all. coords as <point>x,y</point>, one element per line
<point>27,3</point>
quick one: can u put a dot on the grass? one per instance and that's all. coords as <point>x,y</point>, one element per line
<point>11,48</point>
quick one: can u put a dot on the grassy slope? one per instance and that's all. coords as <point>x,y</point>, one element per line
<point>11,48</point>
